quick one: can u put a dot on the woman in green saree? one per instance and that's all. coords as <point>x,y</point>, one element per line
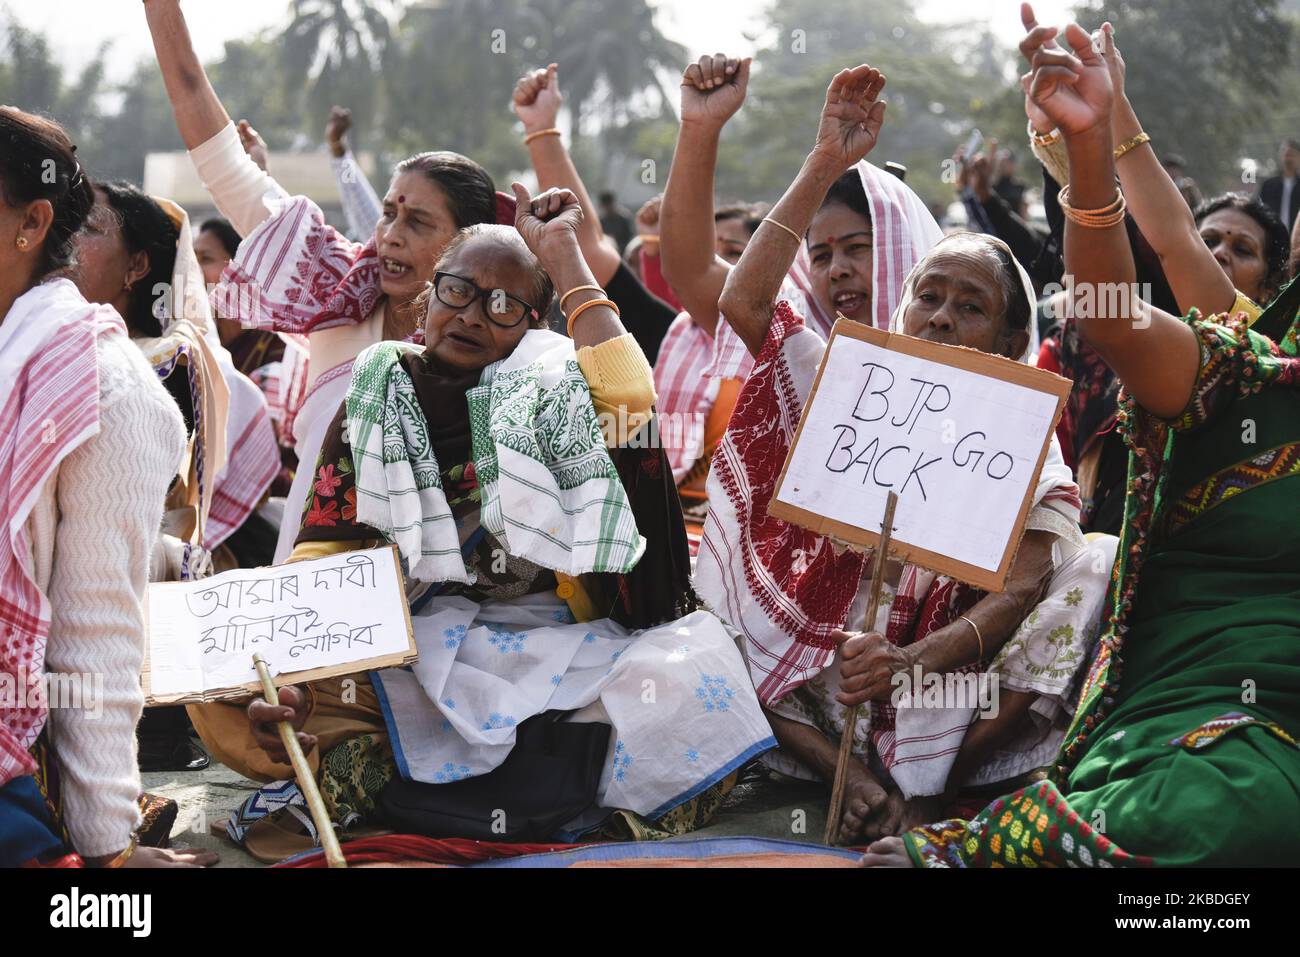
<point>1183,749</point>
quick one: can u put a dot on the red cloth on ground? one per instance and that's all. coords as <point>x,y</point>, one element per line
<point>411,847</point>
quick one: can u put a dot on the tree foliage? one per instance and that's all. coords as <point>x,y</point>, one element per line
<point>1209,79</point>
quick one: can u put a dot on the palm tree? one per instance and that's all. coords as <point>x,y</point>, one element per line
<point>450,70</point>
<point>609,52</point>
<point>338,47</point>
<point>446,78</point>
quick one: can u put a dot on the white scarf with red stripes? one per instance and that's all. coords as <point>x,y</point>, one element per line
<point>784,587</point>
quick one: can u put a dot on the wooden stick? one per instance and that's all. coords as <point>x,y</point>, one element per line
<point>302,771</point>
<point>836,810</point>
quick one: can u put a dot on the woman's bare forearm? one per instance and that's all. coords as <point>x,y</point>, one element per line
<point>686,227</point>
<point>752,286</point>
<point>997,615</point>
<point>568,269</point>
<point>199,113</point>
<point>1155,355</point>
<point>1167,223</point>
<point>555,169</point>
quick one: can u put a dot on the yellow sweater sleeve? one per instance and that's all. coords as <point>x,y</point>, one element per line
<point>622,386</point>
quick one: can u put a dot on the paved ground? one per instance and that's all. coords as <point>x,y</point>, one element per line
<point>205,797</point>
<point>759,805</point>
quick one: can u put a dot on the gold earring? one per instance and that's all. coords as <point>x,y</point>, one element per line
<point>21,242</point>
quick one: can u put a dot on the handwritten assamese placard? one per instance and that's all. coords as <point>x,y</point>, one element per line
<point>310,620</point>
<point>960,435</point>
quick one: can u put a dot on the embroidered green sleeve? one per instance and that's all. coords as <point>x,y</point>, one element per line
<point>1235,362</point>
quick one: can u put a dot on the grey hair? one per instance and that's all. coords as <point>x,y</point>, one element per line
<point>507,237</point>
<point>1018,302</point>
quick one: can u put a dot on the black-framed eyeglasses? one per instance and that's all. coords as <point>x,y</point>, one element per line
<point>499,307</point>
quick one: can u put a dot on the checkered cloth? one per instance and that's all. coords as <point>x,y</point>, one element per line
<point>550,492</point>
<point>685,389</point>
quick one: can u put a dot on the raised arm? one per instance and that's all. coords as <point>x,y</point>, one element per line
<point>239,186</point>
<point>1154,201</point>
<point>362,206</point>
<point>1155,355</point>
<point>549,224</point>
<point>199,114</point>
<point>1195,276</point>
<point>850,125</point>
<point>537,100</point>
<point>712,91</point>
<point>615,367</point>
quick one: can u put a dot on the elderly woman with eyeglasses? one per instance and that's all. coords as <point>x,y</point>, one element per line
<point>518,474</point>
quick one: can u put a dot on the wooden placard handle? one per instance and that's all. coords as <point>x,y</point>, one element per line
<point>836,810</point>
<point>329,841</point>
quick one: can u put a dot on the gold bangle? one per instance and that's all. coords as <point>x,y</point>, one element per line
<point>538,134</point>
<point>122,858</point>
<point>1131,144</point>
<point>797,237</point>
<point>1040,139</point>
<point>587,288</point>
<point>573,316</point>
<point>1112,214</point>
<point>978,636</point>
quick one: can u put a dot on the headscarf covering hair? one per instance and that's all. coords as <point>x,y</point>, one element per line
<point>183,314</point>
<point>902,231</point>
<point>249,454</point>
<point>1021,278</point>
<point>784,587</point>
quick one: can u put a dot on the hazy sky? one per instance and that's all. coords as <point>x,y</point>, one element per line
<point>77,27</point>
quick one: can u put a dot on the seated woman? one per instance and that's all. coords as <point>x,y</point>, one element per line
<point>294,274</point>
<point>1191,705</point>
<point>135,255</point>
<point>790,591</point>
<point>89,442</point>
<point>480,457</point>
<point>267,360</point>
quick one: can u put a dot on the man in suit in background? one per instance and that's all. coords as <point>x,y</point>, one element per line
<point>1282,193</point>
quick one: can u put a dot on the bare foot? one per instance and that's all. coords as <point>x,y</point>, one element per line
<point>887,820</point>
<point>887,852</point>
<point>863,797</point>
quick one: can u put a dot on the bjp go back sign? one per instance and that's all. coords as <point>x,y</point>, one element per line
<point>960,435</point>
